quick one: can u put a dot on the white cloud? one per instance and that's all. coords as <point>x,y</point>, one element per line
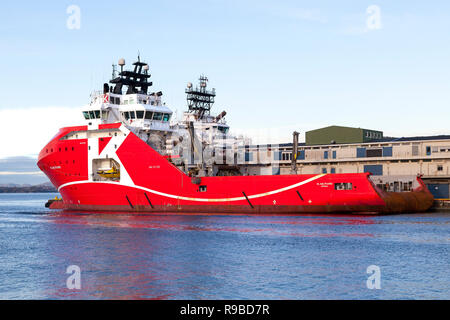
<point>24,132</point>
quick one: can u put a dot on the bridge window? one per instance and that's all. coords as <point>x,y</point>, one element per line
<point>166,117</point>
<point>140,114</point>
<point>132,115</point>
<point>91,114</point>
<point>86,115</point>
<point>343,186</point>
<point>148,115</point>
<point>223,129</point>
<point>157,116</point>
<point>97,114</point>
<point>127,115</point>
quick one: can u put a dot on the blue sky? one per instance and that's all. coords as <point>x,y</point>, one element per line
<point>285,65</point>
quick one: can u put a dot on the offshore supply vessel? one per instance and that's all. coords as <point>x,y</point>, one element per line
<point>132,156</point>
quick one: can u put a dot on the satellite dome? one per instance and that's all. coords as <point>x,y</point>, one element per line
<point>121,62</point>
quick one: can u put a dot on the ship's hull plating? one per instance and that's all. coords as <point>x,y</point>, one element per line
<point>149,183</point>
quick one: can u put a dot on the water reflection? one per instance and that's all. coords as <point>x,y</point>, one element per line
<point>216,256</point>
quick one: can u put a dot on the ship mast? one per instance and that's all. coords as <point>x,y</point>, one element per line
<point>136,80</point>
<point>199,99</point>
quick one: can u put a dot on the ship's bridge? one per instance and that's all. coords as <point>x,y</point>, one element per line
<point>137,110</point>
<point>128,101</point>
<point>145,112</point>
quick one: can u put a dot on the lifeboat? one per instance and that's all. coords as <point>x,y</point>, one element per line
<point>110,173</point>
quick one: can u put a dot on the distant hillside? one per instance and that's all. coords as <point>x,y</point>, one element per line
<point>20,171</point>
<point>14,188</point>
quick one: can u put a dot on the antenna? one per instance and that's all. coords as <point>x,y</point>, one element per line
<point>135,80</point>
<point>199,99</point>
<point>114,70</point>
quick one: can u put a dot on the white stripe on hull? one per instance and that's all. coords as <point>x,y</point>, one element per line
<point>168,195</point>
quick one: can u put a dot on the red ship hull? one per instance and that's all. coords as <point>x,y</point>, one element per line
<point>150,183</point>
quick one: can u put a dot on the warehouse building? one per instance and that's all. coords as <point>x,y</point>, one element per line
<point>393,162</point>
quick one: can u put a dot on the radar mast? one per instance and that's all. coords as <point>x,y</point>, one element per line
<point>199,99</point>
<point>136,80</point>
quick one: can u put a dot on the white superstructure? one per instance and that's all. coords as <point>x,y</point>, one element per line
<point>198,142</point>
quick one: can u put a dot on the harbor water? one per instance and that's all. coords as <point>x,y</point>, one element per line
<point>145,256</point>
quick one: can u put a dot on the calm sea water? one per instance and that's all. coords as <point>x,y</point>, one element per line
<point>219,256</point>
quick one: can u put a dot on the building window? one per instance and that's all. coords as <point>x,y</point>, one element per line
<point>287,156</point>
<point>360,152</point>
<point>333,170</point>
<point>277,156</point>
<point>372,153</point>
<point>301,155</point>
<point>428,151</point>
<point>324,170</point>
<point>325,154</point>
<point>376,169</point>
<point>440,167</point>
<point>387,151</point>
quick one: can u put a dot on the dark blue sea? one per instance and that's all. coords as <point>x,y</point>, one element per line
<point>123,256</point>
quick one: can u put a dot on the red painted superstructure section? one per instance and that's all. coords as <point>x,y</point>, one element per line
<point>102,142</point>
<point>158,186</point>
<point>65,160</point>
